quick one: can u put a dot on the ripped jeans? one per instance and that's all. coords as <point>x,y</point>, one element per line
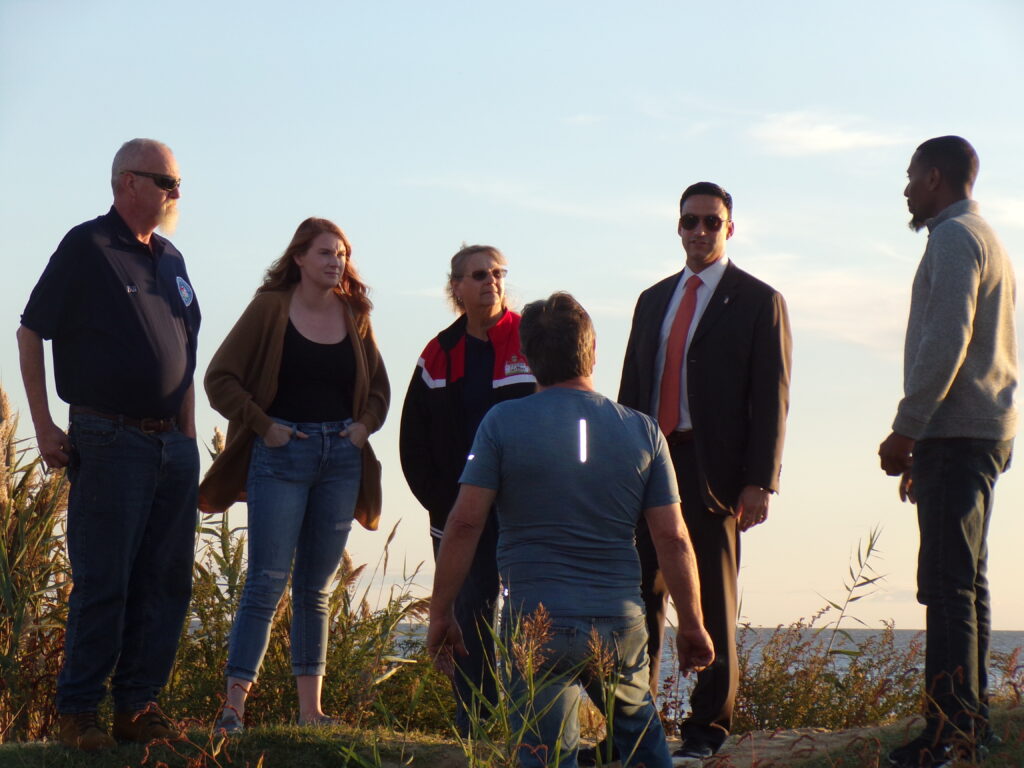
<point>301,499</point>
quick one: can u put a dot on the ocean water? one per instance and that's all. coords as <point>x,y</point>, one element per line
<point>1003,642</point>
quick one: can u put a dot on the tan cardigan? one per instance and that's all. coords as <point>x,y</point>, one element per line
<point>241,383</point>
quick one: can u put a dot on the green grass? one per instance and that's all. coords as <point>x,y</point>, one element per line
<point>269,747</point>
<point>336,747</point>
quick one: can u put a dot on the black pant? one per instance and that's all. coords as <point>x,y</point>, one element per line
<point>475,612</point>
<point>717,547</point>
<point>954,480</point>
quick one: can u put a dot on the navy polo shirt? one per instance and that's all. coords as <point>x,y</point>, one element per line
<point>123,319</point>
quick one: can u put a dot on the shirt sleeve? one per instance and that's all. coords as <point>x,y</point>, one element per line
<point>944,305</point>
<point>54,299</point>
<point>483,465</point>
<point>661,488</point>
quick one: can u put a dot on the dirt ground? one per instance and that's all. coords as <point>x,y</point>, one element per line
<point>760,749</point>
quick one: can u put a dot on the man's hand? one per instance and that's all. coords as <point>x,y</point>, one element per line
<point>53,445</point>
<point>907,488</point>
<point>897,454</point>
<point>356,433</point>
<point>444,639</point>
<point>694,649</point>
<point>752,507</point>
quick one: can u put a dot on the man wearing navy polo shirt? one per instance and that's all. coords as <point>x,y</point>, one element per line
<point>118,305</point>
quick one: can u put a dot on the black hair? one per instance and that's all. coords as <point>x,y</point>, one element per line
<point>707,188</point>
<point>954,157</point>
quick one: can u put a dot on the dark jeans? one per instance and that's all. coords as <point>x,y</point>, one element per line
<point>474,611</point>
<point>131,541</point>
<point>545,706</point>
<point>954,480</point>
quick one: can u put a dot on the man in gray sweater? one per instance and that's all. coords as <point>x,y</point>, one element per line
<point>952,438</point>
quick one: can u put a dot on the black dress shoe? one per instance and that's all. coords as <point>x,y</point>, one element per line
<point>921,752</point>
<point>691,753</point>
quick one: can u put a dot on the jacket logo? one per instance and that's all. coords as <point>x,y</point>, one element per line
<point>516,365</point>
<point>185,291</point>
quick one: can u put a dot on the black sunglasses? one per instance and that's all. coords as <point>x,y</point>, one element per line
<point>162,180</point>
<point>690,221</point>
<point>498,273</point>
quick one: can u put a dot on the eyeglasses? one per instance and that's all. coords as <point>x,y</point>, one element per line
<point>162,180</point>
<point>712,222</point>
<point>498,273</point>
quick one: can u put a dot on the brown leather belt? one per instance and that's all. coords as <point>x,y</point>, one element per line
<point>143,425</point>
<point>679,437</point>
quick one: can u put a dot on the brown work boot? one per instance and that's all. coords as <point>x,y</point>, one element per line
<point>81,730</point>
<point>144,726</point>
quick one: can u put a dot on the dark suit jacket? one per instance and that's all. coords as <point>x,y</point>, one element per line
<point>737,377</point>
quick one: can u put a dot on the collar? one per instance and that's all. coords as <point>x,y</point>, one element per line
<point>121,231</point>
<point>711,276</point>
<point>959,208</point>
<point>498,333</point>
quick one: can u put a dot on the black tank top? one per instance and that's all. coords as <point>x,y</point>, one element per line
<point>316,381</point>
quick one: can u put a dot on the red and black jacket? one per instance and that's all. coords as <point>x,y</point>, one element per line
<point>432,442</point>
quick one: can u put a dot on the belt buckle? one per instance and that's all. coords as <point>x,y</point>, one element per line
<point>152,426</point>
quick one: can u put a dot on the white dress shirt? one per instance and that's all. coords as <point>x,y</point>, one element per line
<point>710,277</point>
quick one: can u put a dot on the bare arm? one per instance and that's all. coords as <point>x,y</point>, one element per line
<point>461,535</point>
<point>51,439</point>
<point>679,569</point>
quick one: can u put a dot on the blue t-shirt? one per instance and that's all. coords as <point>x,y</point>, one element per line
<point>573,472</point>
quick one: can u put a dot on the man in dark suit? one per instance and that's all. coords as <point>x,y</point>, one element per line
<point>709,357</point>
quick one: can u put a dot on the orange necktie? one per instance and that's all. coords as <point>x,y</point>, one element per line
<point>668,403</point>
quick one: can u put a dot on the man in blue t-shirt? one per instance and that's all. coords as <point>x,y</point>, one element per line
<point>570,473</point>
<point>118,306</point>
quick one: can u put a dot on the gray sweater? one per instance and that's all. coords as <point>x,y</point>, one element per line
<point>960,355</point>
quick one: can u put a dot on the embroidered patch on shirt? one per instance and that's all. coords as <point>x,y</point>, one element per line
<point>131,289</point>
<point>185,290</point>
<point>516,365</point>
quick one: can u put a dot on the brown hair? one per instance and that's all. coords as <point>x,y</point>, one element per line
<point>557,337</point>
<point>284,272</point>
<point>458,270</point>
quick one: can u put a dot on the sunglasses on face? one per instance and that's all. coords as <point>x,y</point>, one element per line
<point>711,222</point>
<point>498,273</point>
<point>162,180</point>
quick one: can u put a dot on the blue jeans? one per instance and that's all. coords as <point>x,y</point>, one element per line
<point>954,479</point>
<point>551,715</point>
<point>475,608</point>
<point>301,498</point>
<point>131,541</point>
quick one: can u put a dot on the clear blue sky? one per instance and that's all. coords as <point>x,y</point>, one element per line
<point>563,133</point>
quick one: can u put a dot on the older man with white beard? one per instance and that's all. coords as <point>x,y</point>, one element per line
<point>117,303</point>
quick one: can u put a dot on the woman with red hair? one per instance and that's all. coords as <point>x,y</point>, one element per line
<point>302,384</point>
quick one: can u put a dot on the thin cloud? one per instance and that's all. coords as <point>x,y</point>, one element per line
<point>1004,211</point>
<point>528,198</point>
<point>809,133</point>
<point>849,307</point>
